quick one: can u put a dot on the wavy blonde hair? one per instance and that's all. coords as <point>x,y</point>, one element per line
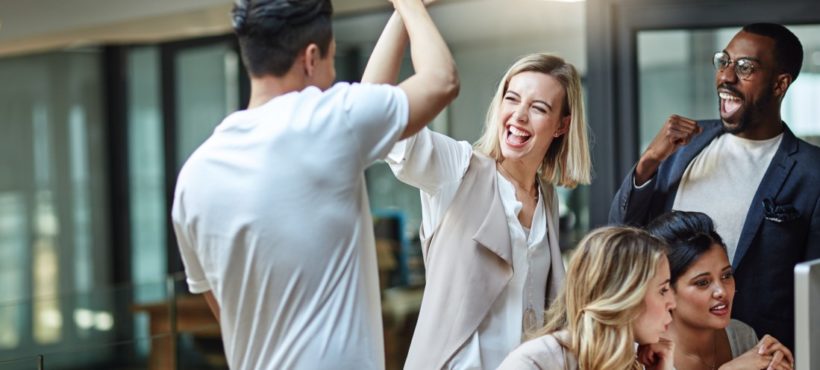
<point>567,162</point>
<point>603,295</point>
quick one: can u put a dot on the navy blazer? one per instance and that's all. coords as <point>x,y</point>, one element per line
<point>782,227</point>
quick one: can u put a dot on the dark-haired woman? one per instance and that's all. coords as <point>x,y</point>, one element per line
<point>704,334</point>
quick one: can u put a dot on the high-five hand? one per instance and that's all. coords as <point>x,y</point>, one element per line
<point>768,354</point>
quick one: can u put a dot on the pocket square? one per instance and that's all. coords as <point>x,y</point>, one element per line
<point>779,213</point>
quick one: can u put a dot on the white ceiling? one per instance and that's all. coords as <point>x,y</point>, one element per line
<point>31,25</point>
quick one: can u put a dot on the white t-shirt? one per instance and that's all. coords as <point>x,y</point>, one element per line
<point>439,179</point>
<point>271,214</point>
<point>722,180</point>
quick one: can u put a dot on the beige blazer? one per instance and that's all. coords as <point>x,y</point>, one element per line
<point>468,258</point>
<point>542,353</point>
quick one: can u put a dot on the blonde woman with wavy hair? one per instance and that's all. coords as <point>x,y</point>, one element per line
<point>616,294</point>
<point>567,161</point>
<point>489,230</point>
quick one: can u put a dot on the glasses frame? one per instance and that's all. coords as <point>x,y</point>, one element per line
<point>743,67</point>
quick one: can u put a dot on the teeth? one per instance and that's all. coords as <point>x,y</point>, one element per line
<point>518,132</point>
<point>719,307</point>
<point>727,96</point>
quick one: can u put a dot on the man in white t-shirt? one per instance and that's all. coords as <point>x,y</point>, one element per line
<point>271,212</point>
<point>747,171</point>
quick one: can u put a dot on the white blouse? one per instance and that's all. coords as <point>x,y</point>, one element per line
<point>436,164</point>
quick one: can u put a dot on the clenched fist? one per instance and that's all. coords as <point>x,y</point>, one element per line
<point>675,133</point>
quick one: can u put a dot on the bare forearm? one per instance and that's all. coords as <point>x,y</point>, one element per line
<point>428,51</point>
<point>435,82</point>
<point>645,169</point>
<point>385,61</point>
<point>211,300</point>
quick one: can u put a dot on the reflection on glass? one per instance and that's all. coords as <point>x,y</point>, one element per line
<point>12,250</point>
<point>207,89</point>
<point>53,221</point>
<point>146,172</point>
<point>48,320</point>
<point>80,187</point>
<point>46,308</point>
<point>84,318</point>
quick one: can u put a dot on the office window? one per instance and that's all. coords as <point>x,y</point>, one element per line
<point>207,90</point>
<point>54,246</point>
<point>146,153</point>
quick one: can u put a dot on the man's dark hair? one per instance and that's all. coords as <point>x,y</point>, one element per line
<point>272,32</point>
<point>689,235</point>
<point>788,51</point>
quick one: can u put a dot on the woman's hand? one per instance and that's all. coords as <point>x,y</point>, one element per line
<point>782,357</point>
<point>768,354</point>
<point>657,356</point>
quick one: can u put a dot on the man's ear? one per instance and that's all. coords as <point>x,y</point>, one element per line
<point>781,84</point>
<point>565,122</point>
<point>312,55</point>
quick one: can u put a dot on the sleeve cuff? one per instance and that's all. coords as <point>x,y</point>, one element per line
<point>198,286</point>
<point>398,154</point>
<point>636,187</point>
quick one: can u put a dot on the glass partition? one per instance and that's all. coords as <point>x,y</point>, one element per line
<point>22,363</point>
<point>207,89</point>
<point>54,214</point>
<point>146,153</point>
<point>173,330</point>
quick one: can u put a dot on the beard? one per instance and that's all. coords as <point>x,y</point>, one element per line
<point>751,113</point>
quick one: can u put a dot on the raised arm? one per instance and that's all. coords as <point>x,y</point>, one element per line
<point>435,82</point>
<point>385,61</point>
<point>675,133</point>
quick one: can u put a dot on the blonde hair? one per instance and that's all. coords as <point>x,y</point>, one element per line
<point>603,295</point>
<point>567,162</point>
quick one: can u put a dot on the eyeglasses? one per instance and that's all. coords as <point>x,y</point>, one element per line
<point>744,67</point>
